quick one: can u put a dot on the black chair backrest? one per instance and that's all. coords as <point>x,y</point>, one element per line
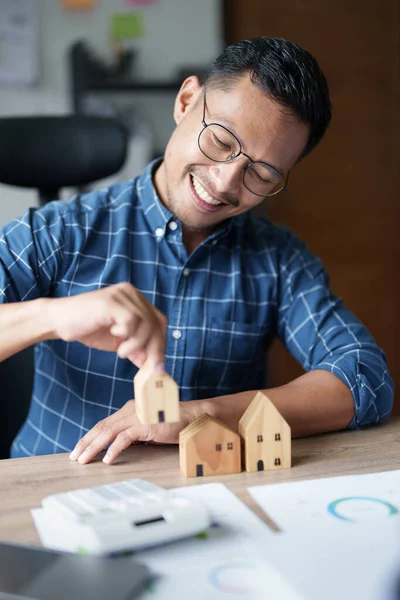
<point>52,152</point>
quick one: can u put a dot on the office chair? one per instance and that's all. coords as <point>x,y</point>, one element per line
<point>49,153</point>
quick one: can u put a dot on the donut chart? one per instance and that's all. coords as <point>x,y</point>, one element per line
<point>232,578</point>
<point>355,509</point>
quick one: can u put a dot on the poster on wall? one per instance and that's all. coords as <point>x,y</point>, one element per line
<point>18,42</point>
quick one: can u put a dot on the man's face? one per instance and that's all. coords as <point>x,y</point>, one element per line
<point>201,192</point>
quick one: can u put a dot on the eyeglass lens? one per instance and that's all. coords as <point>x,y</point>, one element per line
<point>220,145</point>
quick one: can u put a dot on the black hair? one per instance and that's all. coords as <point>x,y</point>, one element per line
<point>287,73</point>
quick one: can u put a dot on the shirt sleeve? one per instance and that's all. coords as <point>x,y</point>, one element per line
<point>321,333</point>
<point>31,254</point>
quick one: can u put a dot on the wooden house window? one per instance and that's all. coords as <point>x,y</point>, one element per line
<point>218,447</point>
<point>259,438</point>
<point>277,437</point>
<point>277,462</point>
<point>230,445</point>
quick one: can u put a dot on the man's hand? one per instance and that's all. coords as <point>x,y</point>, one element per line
<point>116,318</point>
<point>122,429</point>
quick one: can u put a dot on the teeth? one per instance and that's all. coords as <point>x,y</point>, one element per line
<point>200,191</point>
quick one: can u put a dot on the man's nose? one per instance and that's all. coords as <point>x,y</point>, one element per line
<point>227,178</point>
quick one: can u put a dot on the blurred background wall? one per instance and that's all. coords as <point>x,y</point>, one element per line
<point>344,199</point>
<point>176,34</point>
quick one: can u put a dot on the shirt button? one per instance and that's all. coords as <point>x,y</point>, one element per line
<point>172,225</point>
<point>214,242</point>
<point>186,272</point>
<point>159,231</point>
<point>176,334</point>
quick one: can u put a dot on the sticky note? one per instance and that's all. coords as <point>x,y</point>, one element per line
<point>132,2</point>
<point>79,4</point>
<point>125,26</point>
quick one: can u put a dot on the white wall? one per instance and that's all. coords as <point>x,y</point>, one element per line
<point>178,33</point>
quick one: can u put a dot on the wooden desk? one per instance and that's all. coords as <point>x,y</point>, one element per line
<point>25,481</point>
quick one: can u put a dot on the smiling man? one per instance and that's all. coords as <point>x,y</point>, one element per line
<point>172,267</point>
<point>201,194</point>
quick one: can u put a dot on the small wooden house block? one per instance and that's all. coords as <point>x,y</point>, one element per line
<point>156,397</point>
<point>266,436</point>
<point>208,447</point>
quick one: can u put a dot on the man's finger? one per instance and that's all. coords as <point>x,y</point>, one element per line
<point>155,349</point>
<point>138,358</point>
<point>88,448</point>
<point>135,344</point>
<point>122,441</point>
<point>155,346</point>
<point>103,433</point>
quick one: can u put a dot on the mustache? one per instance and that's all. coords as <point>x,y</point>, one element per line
<point>226,198</point>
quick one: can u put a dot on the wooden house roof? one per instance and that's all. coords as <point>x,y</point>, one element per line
<point>146,374</point>
<point>200,423</point>
<point>259,404</point>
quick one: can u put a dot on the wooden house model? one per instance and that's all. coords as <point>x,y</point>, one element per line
<point>156,397</point>
<point>208,447</point>
<point>266,436</point>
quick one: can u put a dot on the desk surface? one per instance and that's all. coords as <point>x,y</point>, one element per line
<point>25,481</point>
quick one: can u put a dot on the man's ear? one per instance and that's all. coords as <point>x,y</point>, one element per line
<point>186,97</point>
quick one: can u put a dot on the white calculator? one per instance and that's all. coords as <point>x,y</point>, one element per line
<point>119,517</point>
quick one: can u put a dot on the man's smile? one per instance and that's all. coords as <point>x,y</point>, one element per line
<point>203,199</point>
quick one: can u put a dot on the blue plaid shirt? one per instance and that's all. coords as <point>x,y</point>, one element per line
<point>247,282</point>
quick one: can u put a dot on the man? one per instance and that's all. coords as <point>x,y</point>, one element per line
<point>172,267</point>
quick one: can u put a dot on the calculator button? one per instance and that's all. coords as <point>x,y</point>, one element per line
<point>119,505</point>
<point>123,490</point>
<point>89,499</point>
<point>137,499</point>
<point>143,486</point>
<point>105,492</point>
<point>72,507</point>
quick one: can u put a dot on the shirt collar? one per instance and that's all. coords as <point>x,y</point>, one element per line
<point>154,210</point>
<point>157,215</point>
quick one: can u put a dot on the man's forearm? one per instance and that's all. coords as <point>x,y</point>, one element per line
<point>22,324</point>
<point>316,402</point>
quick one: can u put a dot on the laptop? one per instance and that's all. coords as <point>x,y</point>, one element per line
<point>41,574</point>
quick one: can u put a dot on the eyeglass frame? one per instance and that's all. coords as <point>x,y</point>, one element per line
<point>284,188</point>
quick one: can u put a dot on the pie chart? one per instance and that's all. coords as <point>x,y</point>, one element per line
<point>355,509</point>
<point>235,578</point>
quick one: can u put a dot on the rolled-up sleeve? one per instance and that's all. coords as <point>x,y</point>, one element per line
<point>321,333</point>
<point>31,254</point>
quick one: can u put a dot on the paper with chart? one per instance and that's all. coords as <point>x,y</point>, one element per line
<point>335,501</point>
<point>18,42</point>
<point>345,530</point>
<point>359,561</point>
<point>223,563</point>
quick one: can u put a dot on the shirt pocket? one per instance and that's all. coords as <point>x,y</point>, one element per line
<point>234,356</point>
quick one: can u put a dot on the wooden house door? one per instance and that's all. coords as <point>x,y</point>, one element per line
<point>199,470</point>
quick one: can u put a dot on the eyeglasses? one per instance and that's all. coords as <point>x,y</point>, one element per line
<point>220,145</point>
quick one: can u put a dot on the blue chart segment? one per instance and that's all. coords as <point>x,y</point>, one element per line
<point>355,509</point>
